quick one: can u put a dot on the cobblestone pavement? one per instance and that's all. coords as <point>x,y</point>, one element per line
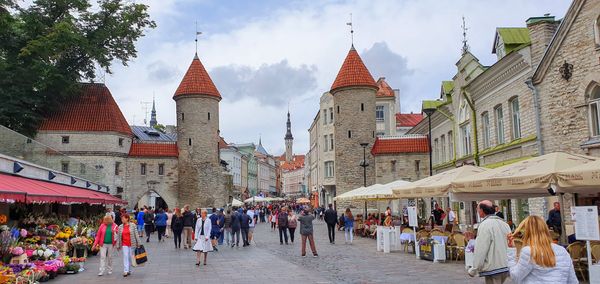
<point>266,261</point>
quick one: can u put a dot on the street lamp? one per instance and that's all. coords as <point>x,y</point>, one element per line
<point>429,112</point>
<point>364,163</point>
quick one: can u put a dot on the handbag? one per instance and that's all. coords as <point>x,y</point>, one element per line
<point>140,255</point>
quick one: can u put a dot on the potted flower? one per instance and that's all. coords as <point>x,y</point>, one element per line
<point>18,256</point>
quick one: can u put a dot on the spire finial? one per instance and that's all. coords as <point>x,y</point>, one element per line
<point>465,47</point>
<point>259,139</point>
<point>351,30</point>
<point>197,34</point>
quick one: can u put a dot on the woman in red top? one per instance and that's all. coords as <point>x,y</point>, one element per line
<point>127,238</point>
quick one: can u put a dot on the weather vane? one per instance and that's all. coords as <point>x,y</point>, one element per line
<point>465,47</point>
<point>197,34</point>
<point>351,29</point>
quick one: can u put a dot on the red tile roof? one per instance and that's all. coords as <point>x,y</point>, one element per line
<point>154,150</point>
<point>408,119</point>
<point>418,144</point>
<point>353,73</point>
<point>94,109</point>
<point>196,81</point>
<point>222,143</point>
<point>296,163</point>
<point>384,89</point>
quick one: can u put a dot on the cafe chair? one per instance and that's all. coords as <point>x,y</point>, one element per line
<point>458,247</point>
<point>408,243</point>
<point>576,251</point>
<point>596,253</point>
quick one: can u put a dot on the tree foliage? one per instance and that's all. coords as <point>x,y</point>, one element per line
<point>47,48</point>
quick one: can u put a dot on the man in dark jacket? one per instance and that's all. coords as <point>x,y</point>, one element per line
<point>188,227</point>
<point>554,219</point>
<point>331,220</point>
<point>245,226</point>
<point>148,223</point>
<point>235,228</point>
<point>282,224</point>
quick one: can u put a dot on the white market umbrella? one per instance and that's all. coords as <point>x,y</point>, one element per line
<point>437,185</point>
<point>236,203</point>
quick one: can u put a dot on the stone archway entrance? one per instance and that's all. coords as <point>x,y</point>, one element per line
<point>154,194</point>
<point>152,199</point>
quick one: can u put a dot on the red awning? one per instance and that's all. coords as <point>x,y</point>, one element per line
<point>21,189</point>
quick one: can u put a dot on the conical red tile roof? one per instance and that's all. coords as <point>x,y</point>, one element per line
<point>197,82</point>
<point>353,73</point>
<point>93,110</point>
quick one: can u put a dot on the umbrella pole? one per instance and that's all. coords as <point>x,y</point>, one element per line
<point>365,215</point>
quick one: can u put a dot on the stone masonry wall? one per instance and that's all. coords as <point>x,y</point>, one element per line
<point>405,167</point>
<point>348,152</point>
<point>138,185</point>
<point>200,181</point>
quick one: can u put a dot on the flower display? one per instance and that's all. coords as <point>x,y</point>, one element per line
<point>16,251</point>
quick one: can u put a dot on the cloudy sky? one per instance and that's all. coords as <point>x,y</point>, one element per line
<point>264,55</point>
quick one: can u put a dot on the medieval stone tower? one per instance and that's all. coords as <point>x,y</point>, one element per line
<point>197,102</point>
<point>289,140</point>
<point>353,91</point>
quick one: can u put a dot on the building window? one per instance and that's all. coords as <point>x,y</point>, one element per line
<point>499,124</point>
<point>190,142</point>
<point>161,169</point>
<point>117,168</point>
<point>436,151</point>
<point>379,113</point>
<point>330,141</point>
<point>515,118</point>
<point>450,145</point>
<point>143,169</point>
<point>324,117</point>
<point>443,148</point>
<point>82,169</point>
<point>417,166</point>
<point>362,107</point>
<point>330,115</point>
<point>119,189</point>
<point>65,139</point>
<point>326,147</point>
<point>485,125</point>
<point>594,112</point>
<point>121,142</point>
<point>329,169</point>
<point>349,133</point>
<point>465,133</point>
<point>209,116</point>
<point>338,109</point>
<point>393,166</point>
<point>379,134</point>
<point>64,166</point>
<point>182,116</point>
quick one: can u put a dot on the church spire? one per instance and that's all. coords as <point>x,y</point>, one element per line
<point>289,139</point>
<point>153,121</point>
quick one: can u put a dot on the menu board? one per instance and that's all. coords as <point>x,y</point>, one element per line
<point>412,216</point>
<point>586,224</point>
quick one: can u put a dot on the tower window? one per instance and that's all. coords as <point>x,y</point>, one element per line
<point>362,107</point>
<point>349,133</point>
<point>373,134</point>
<point>161,169</point>
<point>117,168</point>
<point>65,139</point>
<point>182,116</point>
<point>143,169</point>
<point>338,109</point>
<point>121,142</point>
<point>209,116</point>
<point>190,141</point>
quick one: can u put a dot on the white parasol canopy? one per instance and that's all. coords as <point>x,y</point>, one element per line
<point>437,185</point>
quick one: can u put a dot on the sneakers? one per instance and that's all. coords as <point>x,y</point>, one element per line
<point>110,272</point>
<point>100,274</point>
<point>315,255</point>
<point>304,255</point>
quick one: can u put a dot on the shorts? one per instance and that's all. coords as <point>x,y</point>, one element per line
<point>215,235</point>
<point>251,229</point>
<point>140,228</point>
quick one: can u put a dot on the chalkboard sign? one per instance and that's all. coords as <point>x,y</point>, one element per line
<point>426,249</point>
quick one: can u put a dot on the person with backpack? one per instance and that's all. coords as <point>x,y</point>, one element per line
<point>282,224</point>
<point>292,224</point>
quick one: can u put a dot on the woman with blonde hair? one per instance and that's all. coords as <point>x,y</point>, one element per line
<point>106,239</point>
<point>540,260</point>
<point>202,236</point>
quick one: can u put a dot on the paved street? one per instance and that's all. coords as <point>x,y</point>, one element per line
<point>266,261</point>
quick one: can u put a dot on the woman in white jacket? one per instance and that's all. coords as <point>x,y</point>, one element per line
<point>202,235</point>
<point>540,261</point>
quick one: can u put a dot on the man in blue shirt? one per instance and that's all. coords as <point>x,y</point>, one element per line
<point>140,223</point>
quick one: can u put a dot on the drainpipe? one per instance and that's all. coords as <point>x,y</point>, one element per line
<point>536,107</point>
